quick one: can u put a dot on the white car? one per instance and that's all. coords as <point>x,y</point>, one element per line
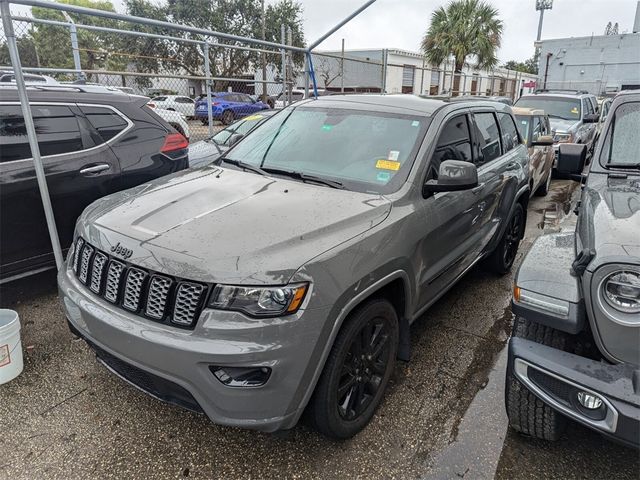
<point>178,103</point>
<point>297,94</point>
<point>176,119</point>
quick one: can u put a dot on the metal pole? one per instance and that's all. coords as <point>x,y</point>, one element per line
<point>540,24</point>
<point>284,67</point>
<point>207,73</point>
<point>264,57</point>
<point>290,64</point>
<point>313,76</point>
<point>383,89</point>
<point>31,131</point>
<point>422,77</point>
<point>307,69</point>
<point>340,25</point>
<point>342,69</point>
<point>74,45</point>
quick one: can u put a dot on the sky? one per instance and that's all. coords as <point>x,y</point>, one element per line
<point>402,23</point>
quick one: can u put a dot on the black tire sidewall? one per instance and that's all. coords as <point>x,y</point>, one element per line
<point>227,117</point>
<point>325,412</point>
<point>498,261</point>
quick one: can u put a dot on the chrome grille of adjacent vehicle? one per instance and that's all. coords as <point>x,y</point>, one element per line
<point>157,297</point>
<point>187,300</point>
<point>96,272</point>
<point>138,290</point>
<point>133,288</point>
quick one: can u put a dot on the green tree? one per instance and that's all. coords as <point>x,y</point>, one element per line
<point>236,17</point>
<point>530,65</point>
<point>464,29</point>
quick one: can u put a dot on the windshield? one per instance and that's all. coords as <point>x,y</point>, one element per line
<point>365,151</point>
<point>555,107</point>
<point>622,142</point>
<point>241,127</point>
<point>524,124</point>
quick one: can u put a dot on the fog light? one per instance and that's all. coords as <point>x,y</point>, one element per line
<point>589,401</point>
<point>241,376</point>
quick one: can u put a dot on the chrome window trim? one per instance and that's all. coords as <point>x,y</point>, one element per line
<point>609,423</point>
<point>129,126</point>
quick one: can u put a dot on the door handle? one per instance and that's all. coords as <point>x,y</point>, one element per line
<point>478,188</point>
<point>511,165</point>
<point>101,167</point>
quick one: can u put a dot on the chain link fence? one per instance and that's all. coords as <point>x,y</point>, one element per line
<point>170,67</point>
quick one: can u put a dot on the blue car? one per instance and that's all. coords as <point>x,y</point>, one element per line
<point>228,107</point>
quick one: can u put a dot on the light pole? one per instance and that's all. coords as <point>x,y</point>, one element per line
<point>541,6</point>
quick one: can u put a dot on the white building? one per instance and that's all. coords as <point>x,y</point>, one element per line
<point>597,63</point>
<point>401,71</point>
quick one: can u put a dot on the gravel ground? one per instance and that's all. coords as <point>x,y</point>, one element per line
<point>67,417</point>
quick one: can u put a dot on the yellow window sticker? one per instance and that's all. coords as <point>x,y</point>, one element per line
<point>574,110</point>
<point>388,165</point>
<point>254,117</point>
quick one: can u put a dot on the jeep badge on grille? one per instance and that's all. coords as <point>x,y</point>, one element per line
<point>122,251</point>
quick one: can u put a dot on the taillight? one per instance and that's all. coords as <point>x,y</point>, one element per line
<point>173,142</point>
<point>151,105</point>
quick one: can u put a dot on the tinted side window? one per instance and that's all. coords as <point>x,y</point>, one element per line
<point>454,143</point>
<point>488,137</point>
<point>588,108</point>
<point>56,126</point>
<point>107,122</point>
<point>509,131</point>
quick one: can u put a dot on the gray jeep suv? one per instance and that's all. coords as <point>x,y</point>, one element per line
<point>287,274</point>
<point>575,351</point>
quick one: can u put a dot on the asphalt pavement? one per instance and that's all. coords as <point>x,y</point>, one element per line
<point>68,417</point>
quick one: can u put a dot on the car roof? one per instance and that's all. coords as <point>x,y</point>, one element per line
<point>527,111</point>
<point>69,94</point>
<point>399,103</point>
<point>558,94</point>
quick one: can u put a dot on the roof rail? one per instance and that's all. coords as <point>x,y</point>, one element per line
<point>560,90</point>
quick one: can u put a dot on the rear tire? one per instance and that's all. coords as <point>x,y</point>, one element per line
<point>228,117</point>
<point>528,414</point>
<point>357,371</point>
<point>501,259</point>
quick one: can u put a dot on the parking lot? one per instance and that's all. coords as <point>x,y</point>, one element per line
<point>67,417</point>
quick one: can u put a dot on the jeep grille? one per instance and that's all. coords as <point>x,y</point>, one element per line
<point>145,292</point>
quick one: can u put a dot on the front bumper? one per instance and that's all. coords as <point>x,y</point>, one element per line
<point>172,364</point>
<point>555,377</point>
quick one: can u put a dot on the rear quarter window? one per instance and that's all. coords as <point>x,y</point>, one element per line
<point>107,123</point>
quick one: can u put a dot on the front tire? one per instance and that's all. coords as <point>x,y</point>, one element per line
<point>357,371</point>
<point>528,414</point>
<point>501,259</point>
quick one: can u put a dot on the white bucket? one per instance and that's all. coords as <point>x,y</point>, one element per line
<point>11,362</point>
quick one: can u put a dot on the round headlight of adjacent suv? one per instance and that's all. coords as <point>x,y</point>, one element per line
<point>621,290</point>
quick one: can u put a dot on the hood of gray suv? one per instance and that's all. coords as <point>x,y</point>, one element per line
<point>227,226</point>
<point>562,125</point>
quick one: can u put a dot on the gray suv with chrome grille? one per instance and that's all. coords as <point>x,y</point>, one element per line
<point>285,275</point>
<point>575,350</point>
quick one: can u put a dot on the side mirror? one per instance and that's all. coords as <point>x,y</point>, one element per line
<point>591,118</point>
<point>235,139</point>
<point>543,141</point>
<point>453,175</point>
<point>571,160</point>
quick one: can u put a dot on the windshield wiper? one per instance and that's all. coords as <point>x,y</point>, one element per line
<point>305,177</point>
<point>630,166</point>
<point>243,165</point>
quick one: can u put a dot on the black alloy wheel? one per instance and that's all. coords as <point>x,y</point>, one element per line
<point>227,117</point>
<point>512,238</point>
<point>364,368</point>
<point>357,370</point>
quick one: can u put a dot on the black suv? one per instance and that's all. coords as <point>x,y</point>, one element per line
<point>92,144</point>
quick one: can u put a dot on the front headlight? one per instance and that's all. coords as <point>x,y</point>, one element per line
<point>621,290</point>
<point>563,138</point>
<point>259,301</point>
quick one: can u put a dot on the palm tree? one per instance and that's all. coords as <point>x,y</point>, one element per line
<point>465,28</point>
